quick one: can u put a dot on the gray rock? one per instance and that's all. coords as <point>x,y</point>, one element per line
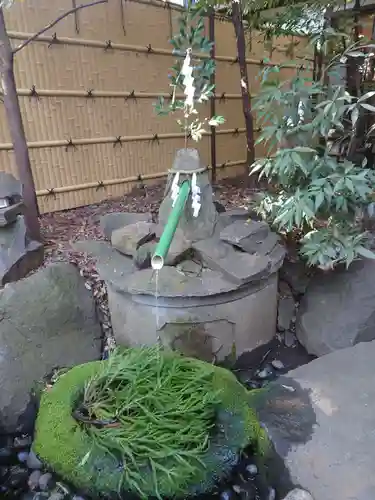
<point>116,220</point>
<point>296,275</point>
<point>47,320</point>
<point>298,494</point>
<point>129,238</point>
<point>338,309</point>
<point>247,235</point>
<point>46,481</point>
<point>18,254</point>
<point>178,249</point>
<point>33,461</point>
<point>237,267</point>
<point>237,214</point>
<point>321,420</point>
<point>276,257</point>
<point>285,314</point>
<point>143,255</point>
<point>33,481</point>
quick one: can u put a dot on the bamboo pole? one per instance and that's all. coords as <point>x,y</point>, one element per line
<point>123,180</point>
<point>146,49</point>
<point>105,94</point>
<point>211,30</point>
<point>112,140</point>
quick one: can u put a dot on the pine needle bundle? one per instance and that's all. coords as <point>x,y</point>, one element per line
<point>157,412</point>
<point>147,423</point>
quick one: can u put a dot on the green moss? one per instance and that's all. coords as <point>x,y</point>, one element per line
<point>65,445</point>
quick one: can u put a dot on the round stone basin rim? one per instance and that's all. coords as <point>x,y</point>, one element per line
<point>178,290</point>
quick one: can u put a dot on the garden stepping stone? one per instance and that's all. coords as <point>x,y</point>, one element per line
<point>321,419</point>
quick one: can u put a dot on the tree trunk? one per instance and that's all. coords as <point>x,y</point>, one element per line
<point>246,100</point>
<point>17,132</point>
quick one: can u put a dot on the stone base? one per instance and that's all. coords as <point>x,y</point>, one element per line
<point>220,326</point>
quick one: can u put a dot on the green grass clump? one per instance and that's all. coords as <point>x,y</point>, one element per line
<point>170,426</point>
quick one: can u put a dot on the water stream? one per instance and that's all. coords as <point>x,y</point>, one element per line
<point>157,299</point>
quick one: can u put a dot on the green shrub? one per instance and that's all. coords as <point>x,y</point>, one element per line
<point>317,193</point>
<point>173,426</point>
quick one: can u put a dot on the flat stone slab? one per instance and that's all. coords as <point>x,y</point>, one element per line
<point>338,309</point>
<point>128,239</point>
<point>237,267</point>
<point>112,221</point>
<point>240,232</point>
<point>111,264</point>
<point>321,420</point>
<point>172,282</point>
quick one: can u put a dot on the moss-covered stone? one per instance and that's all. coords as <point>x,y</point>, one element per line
<point>63,444</point>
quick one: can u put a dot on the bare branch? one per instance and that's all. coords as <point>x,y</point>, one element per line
<point>53,23</point>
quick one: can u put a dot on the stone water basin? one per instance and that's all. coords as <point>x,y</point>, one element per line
<point>218,302</point>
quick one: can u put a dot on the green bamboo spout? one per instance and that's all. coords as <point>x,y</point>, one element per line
<point>161,251</point>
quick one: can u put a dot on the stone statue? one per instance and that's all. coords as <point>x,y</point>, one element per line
<point>18,253</point>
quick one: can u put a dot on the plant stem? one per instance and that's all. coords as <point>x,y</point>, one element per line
<point>17,132</point>
<point>57,20</point>
<point>246,100</point>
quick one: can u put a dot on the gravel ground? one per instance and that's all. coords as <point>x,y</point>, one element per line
<point>61,229</point>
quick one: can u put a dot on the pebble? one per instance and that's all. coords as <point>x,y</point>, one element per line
<point>252,470</point>
<point>290,339</point>
<point>23,456</point>
<point>265,373</point>
<point>5,456</point>
<point>17,477</point>
<point>46,481</point>
<point>77,497</point>
<point>22,442</point>
<point>33,481</point>
<point>228,495</point>
<point>33,461</point>
<point>298,494</point>
<point>3,473</point>
<point>271,494</point>
<point>277,364</point>
<point>29,496</point>
<point>56,496</point>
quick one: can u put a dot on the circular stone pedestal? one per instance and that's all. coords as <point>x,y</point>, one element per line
<point>195,310</point>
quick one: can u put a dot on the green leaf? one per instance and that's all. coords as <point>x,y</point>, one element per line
<point>367,106</point>
<point>365,252</point>
<point>304,149</point>
<point>216,120</point>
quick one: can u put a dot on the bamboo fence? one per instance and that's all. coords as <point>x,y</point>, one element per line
<point>86,91</point>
